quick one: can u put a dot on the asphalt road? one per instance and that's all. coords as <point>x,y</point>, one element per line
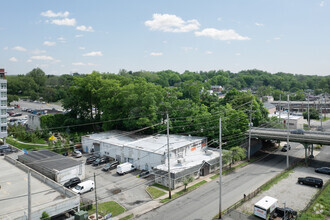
<point>204,202</point>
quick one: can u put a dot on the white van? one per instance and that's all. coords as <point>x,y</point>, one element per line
<point>84,187</point>
<point>125,168</point>
<point>265,207</point>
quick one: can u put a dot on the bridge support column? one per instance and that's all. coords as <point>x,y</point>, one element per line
<point>306,155</point>
<point>312,156</point>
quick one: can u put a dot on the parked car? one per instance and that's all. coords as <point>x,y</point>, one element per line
<point>16,115</point>
<point>285,148</point>
<point>144,173</point>
<point>76,154</point>
<point>11,113</point>
<point>325,170</point>
<point>110,166</point>
<point>289,213</point>
<point>83,187</point>
<point>4,149</point>
<point>72,182</point>
<point>91,159</point>
<point>311,181</point>
<point>100,161</point>
<point>298,131</point>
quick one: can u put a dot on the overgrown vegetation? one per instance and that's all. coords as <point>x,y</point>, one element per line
<point>160,186</point>
<point>276,179</point>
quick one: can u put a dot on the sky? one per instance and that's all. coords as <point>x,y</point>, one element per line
<point>63,37</point>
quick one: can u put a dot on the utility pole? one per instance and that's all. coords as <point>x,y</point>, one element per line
<point>287,141</point>
<point>97,214</point>
<point>321,112</point>
<point>279,115</point>
<point>325,104</point>
<point>309,125</point>
<point>29,196</point>
<point>220,167</point>
<point>168,157</point>
<point>249,149</point>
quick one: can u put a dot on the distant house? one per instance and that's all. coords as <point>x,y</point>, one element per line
<point>270,107</point>
<point>217,89</point>
<point>295,121</point>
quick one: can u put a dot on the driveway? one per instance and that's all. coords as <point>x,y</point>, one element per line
<point>127,190</point>
<point>289,191</point>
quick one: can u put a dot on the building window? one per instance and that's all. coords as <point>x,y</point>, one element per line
<point>3,103</point>
<point>3,129</point>
<point>3,94</point>
<point>3,120</point>
<point>3,85</point>
<point>3,111</point>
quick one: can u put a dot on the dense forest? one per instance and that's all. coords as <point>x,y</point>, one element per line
<point>141,100</point>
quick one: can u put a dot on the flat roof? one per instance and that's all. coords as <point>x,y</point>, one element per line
<point>48,159</point>
<point>284,115</point>
<point>266,202</point>
<point>156,144</point>
<point>14,184</point>
<point>189,161</point>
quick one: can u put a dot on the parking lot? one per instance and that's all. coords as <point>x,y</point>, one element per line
<point>128,190</point>
<point>288,191</point>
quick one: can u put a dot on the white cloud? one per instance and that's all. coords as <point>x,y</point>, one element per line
<point>81,48</point>
<point>91,64</point>
<point>37,51</point>
<point>277,38</point>
<point>208,52</point>
<point>84,28</point>
<point>322,3</point>
<point>216,34</point>
<point>171,23</point>
<point>156,54</point>
<point>186,49</point>
<point>219,19</point>
<point>164,42</point>
<point>19,48</point>
<point>61,39</point>
<point>43,57</point>
<point>65,21</point>
<point>238,54</point>
<point>49,43</point>
<point>259,24</point>
<point>5,48</point>
<point>13,59</point>
<point>52,14</point>
<point>79,35</point>
<point>93,54</point>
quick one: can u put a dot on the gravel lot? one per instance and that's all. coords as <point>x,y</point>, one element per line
<point>288,190</point>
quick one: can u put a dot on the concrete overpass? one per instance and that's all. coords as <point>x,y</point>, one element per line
<point>307,139</point>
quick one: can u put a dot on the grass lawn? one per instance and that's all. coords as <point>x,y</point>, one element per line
<point>160,186</point>
<point>154,192</point>
<point>107,207</point>
<point>183,191</point>
<point>320,205</point>
<point>11,141</point>
<point>127,217</point>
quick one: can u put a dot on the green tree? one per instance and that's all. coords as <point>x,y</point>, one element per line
<point>313,114</point>
<point>186,181</point>
<point>45,216</point>
<point>238,153</point>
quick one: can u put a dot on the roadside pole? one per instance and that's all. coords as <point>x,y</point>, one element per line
<point>97,214</point>
<point>320,104</point>
<point>279,115</point>
<point>168,157</point>
<point>249,149</point>
<point>220,168</point>
<point>309,125</point>
<point>29,196</point>
<point>288,130</point>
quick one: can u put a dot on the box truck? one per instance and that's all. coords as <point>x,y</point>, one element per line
<point>125,168</point>
<point>84,187</point>
<point>265,207</point>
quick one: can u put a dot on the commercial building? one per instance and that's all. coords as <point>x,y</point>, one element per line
<point>295,121</point>
<point>3,106</point>
<point>53,165</point>
<point>270,107</point>
<point>188,154</point>
<point>47,195</point>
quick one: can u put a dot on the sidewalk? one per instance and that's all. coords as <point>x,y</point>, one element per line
<point>142,209</point>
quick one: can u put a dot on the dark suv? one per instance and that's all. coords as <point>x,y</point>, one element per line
<point>312,181</point>
<point>110,166</point>
<point>100,161</point>
<point>72,182</point>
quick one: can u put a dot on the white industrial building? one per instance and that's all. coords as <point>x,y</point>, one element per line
<point>145,152</point>
<point>53,165</point>
<point>295,121</point>
<point>3,106</point>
